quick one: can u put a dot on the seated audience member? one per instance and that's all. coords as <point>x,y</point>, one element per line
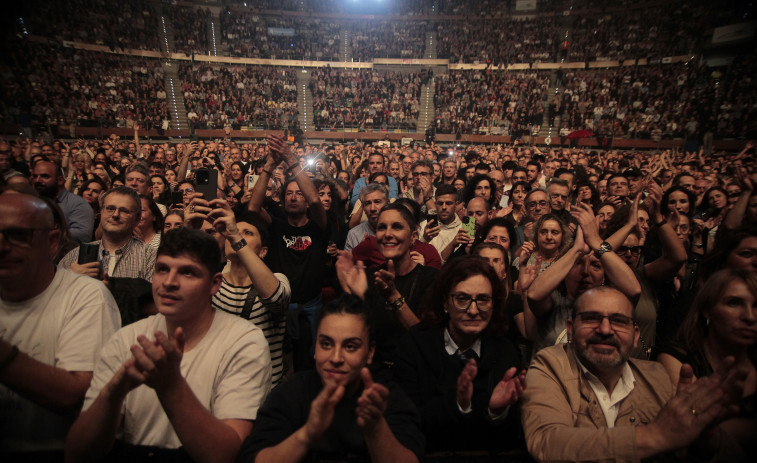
<point>372,198</point>
<point>52,326</point>
<point>722,319</point>
<point>337,409</point>
<point>119,253</point>
<point>184,383</point>
<point>458,366</point>
<point>588,400</point>
<point>49,181</point>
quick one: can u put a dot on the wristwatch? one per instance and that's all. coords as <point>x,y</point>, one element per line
<point>603,248</point>
<point>396,305</point>
<point>238,245</point>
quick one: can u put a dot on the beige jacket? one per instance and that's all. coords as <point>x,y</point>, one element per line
<point>563,421</point>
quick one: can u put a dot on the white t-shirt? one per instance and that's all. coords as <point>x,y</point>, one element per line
<point>229,371</point>
<point>64,326</point>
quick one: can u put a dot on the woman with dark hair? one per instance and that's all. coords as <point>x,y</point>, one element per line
<point>234,177</point>
<point>517,195</point>
<point>680,199</point>
<point>337,409</point>
<point>480,185</point>
<point>499,230</point>
<point>735,249</point>
<point>722,322</point>
<point>586,193</point>
<point>458,366</point>
<point>174,219</point>
<point>394,291</point>
<point>150,224</point>
<point>161,190</point>
<point>91,191</point>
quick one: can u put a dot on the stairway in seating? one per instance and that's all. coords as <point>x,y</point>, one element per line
<point>426,114</point>
<point>345,48</point>
<point>304,101</point>
<point>174,95</point>
<point>430,52</point>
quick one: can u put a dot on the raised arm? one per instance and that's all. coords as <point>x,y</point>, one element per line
<point>735,216</point>
<point>262,277</point>
<point>280,148</point>
<point>616,270</point>
<point>258,191</point>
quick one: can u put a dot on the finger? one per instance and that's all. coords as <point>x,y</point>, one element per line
<point>685,377</point>
<point>365,375</point>
<point>390,266</point>
<point>509,374</point>
<point>150,348</point>
<point>141,360</point>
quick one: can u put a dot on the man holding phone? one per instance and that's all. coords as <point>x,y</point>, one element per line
<point>445,232</point>
<point>118,254</point>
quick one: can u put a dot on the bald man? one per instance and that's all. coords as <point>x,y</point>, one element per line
<point>80,218</point>
<point>53,323</point>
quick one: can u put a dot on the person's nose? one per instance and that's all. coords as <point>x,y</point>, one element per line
<point>171,280</point>
<point>604,326</point>
<point>336,357</point>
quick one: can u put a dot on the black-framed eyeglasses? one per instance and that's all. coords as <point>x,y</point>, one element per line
<point>735,194</point>
<point>635,250</point>
<point>463,301</point>
<point>533,204</point>
<point>110,210</point>
<point>186,191</point>
<point>618,321</point>
<point>20,236</point>
<point>421,174</point>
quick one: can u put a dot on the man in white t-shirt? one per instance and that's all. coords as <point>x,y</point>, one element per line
<point>188,380</point>
<point>53,323</point>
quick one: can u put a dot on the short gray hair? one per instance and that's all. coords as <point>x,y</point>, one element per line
<point>372,188</point>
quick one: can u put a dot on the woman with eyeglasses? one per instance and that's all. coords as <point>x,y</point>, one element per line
<point>457,365</point>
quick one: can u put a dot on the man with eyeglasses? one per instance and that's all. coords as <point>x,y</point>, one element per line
<point>588,400</point>
<point>52,325</point>
<point>423,191</point>
<point>119,254</point>
<point>537,204</point>
<point>49,181</point>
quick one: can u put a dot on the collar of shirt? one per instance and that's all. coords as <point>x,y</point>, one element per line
<point>119,251</point>
<point>610,404</point>
<point>452,349</point>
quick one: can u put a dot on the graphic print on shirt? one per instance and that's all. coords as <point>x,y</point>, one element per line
<point>297,243</point>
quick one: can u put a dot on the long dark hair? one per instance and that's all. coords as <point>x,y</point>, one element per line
<point>453,273</point>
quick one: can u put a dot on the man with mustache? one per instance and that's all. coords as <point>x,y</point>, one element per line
<point>588,400</point>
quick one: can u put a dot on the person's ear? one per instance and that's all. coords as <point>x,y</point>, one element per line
<point>263,252</point>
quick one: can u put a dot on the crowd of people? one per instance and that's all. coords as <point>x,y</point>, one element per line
<point>659,101</point>
<point>252,35</point>
<point>490,102</point>
<point>365,99</point>
<point>239,96</point>
<point>387,39</point>
<point>118,26</point>
<point>190,29</point>
<point>64,86</point>
<point>384,300</point>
